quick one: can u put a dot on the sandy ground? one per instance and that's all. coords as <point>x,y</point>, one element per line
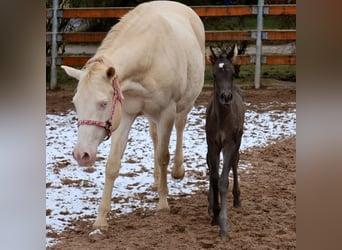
<point>266,220</point>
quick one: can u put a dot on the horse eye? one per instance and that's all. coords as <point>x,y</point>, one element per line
<point>103,104</point>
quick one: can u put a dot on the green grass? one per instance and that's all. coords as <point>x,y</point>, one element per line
<point>248,23</point>
<point>246,75</point>
<point>278,72</point>
<point>63,80</point>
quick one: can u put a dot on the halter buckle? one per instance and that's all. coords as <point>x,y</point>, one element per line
<point>108,128</point>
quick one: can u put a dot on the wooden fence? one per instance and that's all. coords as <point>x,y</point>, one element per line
<point>202,11</point>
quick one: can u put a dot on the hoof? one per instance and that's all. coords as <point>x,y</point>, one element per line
<point>163,206</point>
<point>164,210</point>
<point>236,204</point>
<point>215,221</point>
<point>223,234</point>
<point>178,173</point>
<point>97,235</point>
<point>224,237</point>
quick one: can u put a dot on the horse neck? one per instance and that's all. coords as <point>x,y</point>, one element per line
<point>125,60</point>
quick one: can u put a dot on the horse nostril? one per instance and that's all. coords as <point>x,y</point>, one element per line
<point>226,98</point>
<point>230,97</point>
<point>85,156</point>
<point>223,97</point>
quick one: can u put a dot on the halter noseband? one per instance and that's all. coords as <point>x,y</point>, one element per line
<point>107,125</point>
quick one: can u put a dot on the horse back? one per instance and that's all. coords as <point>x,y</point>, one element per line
<point>158,52</point>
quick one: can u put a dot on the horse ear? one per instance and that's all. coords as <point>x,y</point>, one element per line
<point>232,54</point>
<point>110,72</point>
<point>75,73</point>
<point>211,55</point>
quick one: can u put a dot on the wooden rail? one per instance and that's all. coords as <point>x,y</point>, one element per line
<point>203,11</point>
<point>242,60</point>
<point>96,37</point>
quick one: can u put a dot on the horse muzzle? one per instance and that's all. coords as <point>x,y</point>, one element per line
<point>84,157</point>
<point>226,98</point>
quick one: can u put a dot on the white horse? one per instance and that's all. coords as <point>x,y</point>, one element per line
<point>150,63</point>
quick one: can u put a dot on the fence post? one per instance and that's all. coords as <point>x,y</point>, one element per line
<point>258,44</point>
<point>53,75</point>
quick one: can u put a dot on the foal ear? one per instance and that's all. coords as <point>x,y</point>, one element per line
<point>75,73</point>
<point>110,72</point>
<point>232,54</point>
<point>211,55</point>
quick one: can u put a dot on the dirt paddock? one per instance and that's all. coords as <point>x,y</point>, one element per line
<point>266,220</point>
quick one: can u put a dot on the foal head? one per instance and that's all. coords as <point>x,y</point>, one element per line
<point>94,99</point>
<point>223,72</point>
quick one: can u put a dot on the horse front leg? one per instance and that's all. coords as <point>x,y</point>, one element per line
<point>236,186</point>
<point>228,161</point>
<point>178,170</point>
<point>164,128</point>
<point>118,145</point>
<point>213,158</point>
<point>156,170</point>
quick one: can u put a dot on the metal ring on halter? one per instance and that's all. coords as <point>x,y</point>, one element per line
<point>108,128</point>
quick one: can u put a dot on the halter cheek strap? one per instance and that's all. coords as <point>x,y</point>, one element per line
<point>107,125</point>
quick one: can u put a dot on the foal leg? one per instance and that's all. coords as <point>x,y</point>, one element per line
<point>223,189</point>
<point>156,170</point>
<point>236,187</point>
<point>178,168</point>
<point>119,141</point>
<point>213,160</point>
<point>164,128</point>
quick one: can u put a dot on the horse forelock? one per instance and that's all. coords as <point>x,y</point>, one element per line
<point>95,65</point>
<point>224,64</point>
<point>99,60</point>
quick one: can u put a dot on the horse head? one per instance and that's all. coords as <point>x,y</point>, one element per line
<point>98,106</point>
<point>223,72</point>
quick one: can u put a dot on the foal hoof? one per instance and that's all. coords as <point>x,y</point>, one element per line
<point>215,221</point>
<point>237,204</point>
<point>223,235</point>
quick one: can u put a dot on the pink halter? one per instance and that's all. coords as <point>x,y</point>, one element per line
<point>107,125</point>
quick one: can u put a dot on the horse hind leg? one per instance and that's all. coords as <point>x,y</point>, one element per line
<point>178,170</point>
<point>164,128</point>
<point>223,189</point>
<point>229,161</point>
